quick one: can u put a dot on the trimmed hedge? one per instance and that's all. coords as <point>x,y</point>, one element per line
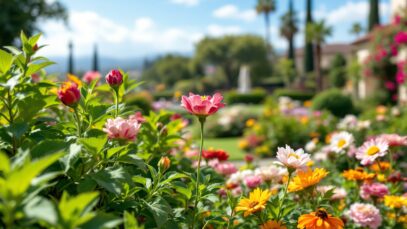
<point>167,95</point>
<point>334,101</point>
<point>256,96</point>
<point>294,94</point>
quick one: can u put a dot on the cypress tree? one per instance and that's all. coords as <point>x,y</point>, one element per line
<point>291,47</point>
<point>309,48</point>
<point>374,17</point>
<point>70,58</point>
<point>95,63</point>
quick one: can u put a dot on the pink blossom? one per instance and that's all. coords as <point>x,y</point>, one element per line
<point>237,191</point>
<point>371,150</point>
<point>295,159</point>
<point>248,158</point>
<point>390,85</point>
<point>394,50</point>
<point>252,181</point>
<point>401,38</point>
<point>397,19</point>
<point>114,78</point>
<point>138,117</point>
<point>35,77</point>
<point>401,72</point>
<point>225,168</point>
<point>91,76</point>
<point>394,139</point>
<point>365,215</point>
<point>373,190</point>
<point>202,105</point>
<point>120,128</point>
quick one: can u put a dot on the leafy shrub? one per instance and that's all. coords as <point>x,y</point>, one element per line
<point>140,101</point>
<point>334,101</point>
<point>167,95</point>
<point>294,94</point>
<point>256,96</point>
<point>186,86</point>
<point>337,77</point>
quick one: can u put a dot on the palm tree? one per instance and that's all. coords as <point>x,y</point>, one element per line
<point>316,33</point>
<point>356,29</point>
<point>288,30</point>
<point>266,7</point>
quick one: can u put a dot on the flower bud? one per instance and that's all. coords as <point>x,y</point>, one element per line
<point>164,163</point>
<point>35,47</point>
<point>69,94</point>
<point>248,158</point>
<point>114,78</point>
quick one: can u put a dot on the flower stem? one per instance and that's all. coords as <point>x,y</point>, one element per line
<point>198,172</point>
<point>284,195</point>
<point>116,92</point>
<point>78,122</point>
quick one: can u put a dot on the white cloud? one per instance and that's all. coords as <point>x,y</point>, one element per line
<point>233,12</point>
<point>186,2</point>
<point>218,30</point>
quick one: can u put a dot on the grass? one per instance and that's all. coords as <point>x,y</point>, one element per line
<point>230,145</point>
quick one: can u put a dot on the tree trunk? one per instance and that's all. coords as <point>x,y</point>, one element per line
<point>318,52</point>
<point>291,54</point>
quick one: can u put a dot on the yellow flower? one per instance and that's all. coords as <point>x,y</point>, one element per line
<point>319,219</point>
<point>271,224</point>
<point>357,174</point>
<point>395,201</point>
<point>381,177</point>
<point>250,122</point>
<point>310,163</point>
<point>256,202</point>
<point>402,219</point>
<point>306,179</point>
<point>74,79</point>
<point>304,120</point>
<point>307,103</point>
<point>243,144</point>
<point>177,94</point>
<point>381,109</point>
<point>328,138</point>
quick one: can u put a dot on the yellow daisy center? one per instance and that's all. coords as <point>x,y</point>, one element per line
<point>294,155</point>
<point>341,143</point>
<point>373,150</point>
<point>203,98</point>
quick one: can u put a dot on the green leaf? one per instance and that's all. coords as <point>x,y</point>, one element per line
<point>72,157</point>
<point>77,210</point>
<point>4,163</point>
<point>6,60</point>
<point>130,222</point>
<point>159,209</point>
<point>40,208</point>
<point>48,147</point>
<point>133,160</point>
<point>18,129</point>
<point>182,188</point>
<point>103,220</point>
<point>27,110</point>
<point>113,151</point>
<point>94,145</point>
<point>111,180</point>
<point>33,68</point>
<point>34,39</point>
<point>18,181</point>
<point>173,177</point>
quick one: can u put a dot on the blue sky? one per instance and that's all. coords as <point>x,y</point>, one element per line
<point>136,28</point>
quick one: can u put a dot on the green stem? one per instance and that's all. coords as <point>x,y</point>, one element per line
<point>284,195</point>
<point>116,92</point>
<point>198,172</point>
<point>11,119</point>
<point>78,122</point>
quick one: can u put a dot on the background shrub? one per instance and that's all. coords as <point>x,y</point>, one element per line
<point>256,96</point>
<point>334,101</point>
<point>294,94</point>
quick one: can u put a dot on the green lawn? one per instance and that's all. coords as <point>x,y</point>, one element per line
<point>230,145</point>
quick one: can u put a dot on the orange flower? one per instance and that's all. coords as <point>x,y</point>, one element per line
<point>74,79</point>
<point>306,179</point>
<point>357,174</point>
<point>256,202</point>
<point>319,220</point>
<point>273,225</point>
<point>384,165</point>
<point>250,122</point>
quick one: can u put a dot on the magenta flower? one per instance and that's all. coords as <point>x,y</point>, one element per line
<point>91,76</point>
<point>394,139</point>
<point>119,128</point>
<point>114,78</point>
<point>252,181</point>
<point>365,215</point>
<point>373,190</point>
<point>138,117</point>
<point>202,106</point>
<point>401,38</point>
<point>401,72</point>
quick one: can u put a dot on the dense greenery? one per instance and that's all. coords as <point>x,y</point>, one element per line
<point>334,101</point>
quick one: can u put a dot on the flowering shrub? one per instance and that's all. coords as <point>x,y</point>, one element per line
<point>80,157</point>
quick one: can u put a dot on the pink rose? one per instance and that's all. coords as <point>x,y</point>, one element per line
<point>91,76</point>
<point>202,105</point>
<point>120,128</point>
<point>365,215</point>
<point>138,117</point>
<point>252,181</point>
<point>401,38</point>
<point>114,78</point>
<point>373,190</point>
<point>225,168</point>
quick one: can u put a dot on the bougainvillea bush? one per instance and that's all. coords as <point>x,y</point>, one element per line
<point>75,155</point>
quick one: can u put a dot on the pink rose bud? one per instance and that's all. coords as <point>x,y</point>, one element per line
<point>114,78</point>
<point>69,94</point>
<point>35,47</point>
<point>202,106</point>
<point>248,158</point>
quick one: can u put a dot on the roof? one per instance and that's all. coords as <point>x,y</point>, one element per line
<point>330,49</point>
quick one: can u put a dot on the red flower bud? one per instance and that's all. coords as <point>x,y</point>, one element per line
<point>248,158</point>
<point>114,78</point>
<point>69,94</point>
<point>35,47</point>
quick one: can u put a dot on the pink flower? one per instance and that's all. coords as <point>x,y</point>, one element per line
<point>138,117</point>
<point>394,139</point>
<point>365,215</point>
<point>397,19</point>
<point>390,85</point>
<point>371,150</point>
<point>373,190</point>
<point>202,105</point>
<point>35,77</point>
<point>293,159</point>
<point>248,158</point>
<point>91,76</point>
<point>225,168</point>
<point>252,181</point>
<point>114,78</point>
<point>120,128</point>
<point>338,193</point>
<point>401,38</point>
<point>69,94</point>
<point>237,191</point>
<point>401,72</point>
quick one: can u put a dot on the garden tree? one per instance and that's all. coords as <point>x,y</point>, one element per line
<point>266,7</point>
<point>288,30</point>
<point>168,70</point>
<point>337,71</point>
<point>23,15</point>
<point>229,52</point>
<point>316,33</point>
<point>308,48</point>
<point>70,58</point>
<point>95,60</point>
<point>286,70</point>
<point>356,29</point>
<point>374,14</point>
